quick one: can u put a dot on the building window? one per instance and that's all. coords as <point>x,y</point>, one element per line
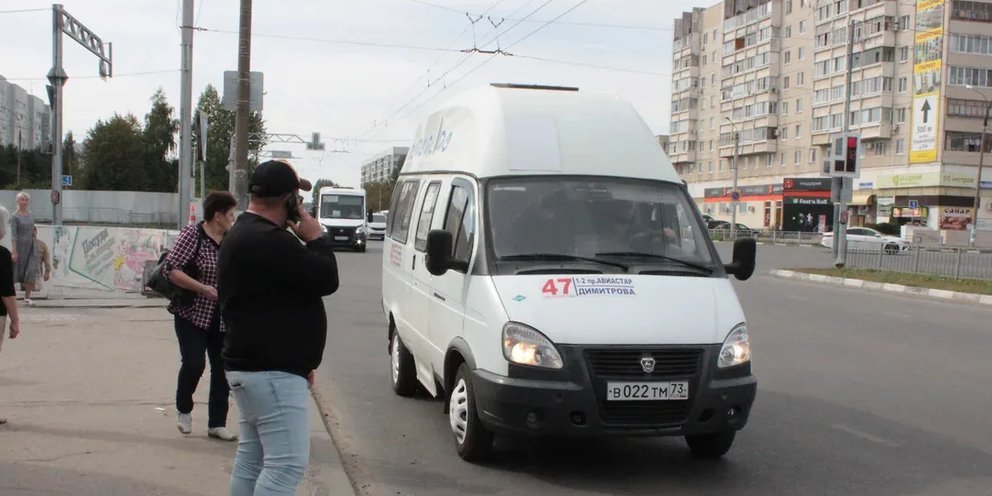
<point>965,108</point>
<point>802,27</point>
<point>965,142</point>
<point>785,83</point>
<point>901,115</point>
<point>800,79</point>
<point>904,54</point>
<point>785,108</point>
<point>971,11</point>
<point>788,32</point>
<point>904,22</point>
<point>878,147</point>
<point>900,146</point>
<point>799,105</point>
<point>903,85</point>
<point>788,57</point>
<point>781,159</point>
<point>976,44</point>
<point>961,76</point>
<point>799,131</point>
<point>812,155</point>
<point>706,39</point>
<point>798,157</point>
<point>785,132</point>
<point>788,7</point>
<point>802,53</point>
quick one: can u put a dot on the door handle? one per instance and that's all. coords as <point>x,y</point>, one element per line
<point>439,297</point>
<point>414,265</point>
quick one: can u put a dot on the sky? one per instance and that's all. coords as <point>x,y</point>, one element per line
<point>361,97</point>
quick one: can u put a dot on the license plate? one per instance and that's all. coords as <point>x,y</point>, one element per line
<point>647,391</point>
<point>340,238</point>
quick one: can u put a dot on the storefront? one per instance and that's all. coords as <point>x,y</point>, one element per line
<point>938,200</point>
<point>760,206</point>
<point>806,204</point>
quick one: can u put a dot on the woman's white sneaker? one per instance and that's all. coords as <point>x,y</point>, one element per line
<point>184,422</point>
<point>221,433</point>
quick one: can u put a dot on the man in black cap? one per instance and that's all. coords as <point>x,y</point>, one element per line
<point>270,287</point>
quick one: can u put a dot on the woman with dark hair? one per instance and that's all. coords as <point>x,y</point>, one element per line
<point>192,265</point>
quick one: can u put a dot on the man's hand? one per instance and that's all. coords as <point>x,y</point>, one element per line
<point>48,275</point>
<point>669,234</point>
<point>308,229</point>
<point>311,379</point>
<point>15,328</point>
<point>13,256</point>
<point>209,292</point>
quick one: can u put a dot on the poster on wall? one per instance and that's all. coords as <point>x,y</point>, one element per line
<point>927,69</point>
<point>955,218</point>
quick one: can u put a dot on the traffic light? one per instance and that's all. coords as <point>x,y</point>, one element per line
<point>851,155</point>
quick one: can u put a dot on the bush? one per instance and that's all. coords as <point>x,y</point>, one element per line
<point>886,228</point>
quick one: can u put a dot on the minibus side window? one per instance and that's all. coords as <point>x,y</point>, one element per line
<point>460,222</point>
<point>426,215</point>
<point>403,199</point>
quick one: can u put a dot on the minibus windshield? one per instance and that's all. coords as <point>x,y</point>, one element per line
<point>610,219</point>
<point>342,207</point>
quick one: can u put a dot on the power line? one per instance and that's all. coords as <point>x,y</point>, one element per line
<point>548,23</point>
<point>125,74</point>
<point>196,20</point>
<point>23,10</point>
<point>573,23</point>
<point>332,41</point>
<point>592,66</point>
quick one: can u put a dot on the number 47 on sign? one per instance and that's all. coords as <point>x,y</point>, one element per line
<point>557,287</point>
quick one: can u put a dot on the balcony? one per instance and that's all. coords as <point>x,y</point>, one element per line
<point>685,157</point>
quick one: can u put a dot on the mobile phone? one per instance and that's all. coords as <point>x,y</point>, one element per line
<point>292,203</point>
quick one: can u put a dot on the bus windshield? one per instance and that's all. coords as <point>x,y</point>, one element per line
<point>342,207</point>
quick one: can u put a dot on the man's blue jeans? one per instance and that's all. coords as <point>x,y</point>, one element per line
<point>274,447</point>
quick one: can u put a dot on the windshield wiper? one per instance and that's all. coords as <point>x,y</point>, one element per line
<point>564,257</point>
<point>708,270</point>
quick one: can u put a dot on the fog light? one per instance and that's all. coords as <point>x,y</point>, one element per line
<point>733,412</point>
<point>533,417</point>
<point>578,418</point>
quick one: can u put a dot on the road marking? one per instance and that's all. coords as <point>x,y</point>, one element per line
<point>864,435</point>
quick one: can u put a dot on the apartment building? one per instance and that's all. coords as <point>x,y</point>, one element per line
<point>380,167</point>
<point>25,120</point>
<point>774,72</point>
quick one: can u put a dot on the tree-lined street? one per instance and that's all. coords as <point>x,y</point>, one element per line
<point>859,393</point>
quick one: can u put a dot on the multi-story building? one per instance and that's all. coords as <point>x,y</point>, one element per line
<point>774,72</point>
<point>380,167</point>
<point>25,120</point>
<point>663,142</point>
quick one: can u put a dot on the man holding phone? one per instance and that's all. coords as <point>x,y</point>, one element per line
<point>270,288</point>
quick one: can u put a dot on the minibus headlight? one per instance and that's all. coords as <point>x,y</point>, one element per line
<point>526,346</point>
<point>736,348</point>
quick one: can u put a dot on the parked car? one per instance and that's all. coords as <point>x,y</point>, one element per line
<point>377,228</point>
<point>868,239</point>
<point>722,225</point>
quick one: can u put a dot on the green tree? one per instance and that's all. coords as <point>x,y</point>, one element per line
<point>379,194</point>
<point>219,133</point>
<point>159,136</point>
<point>114,156</point>
<point>70,159</point>
<point>321,183</point>
<point>35,165</point>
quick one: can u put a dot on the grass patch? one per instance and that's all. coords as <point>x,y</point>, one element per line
<point>916,280</point>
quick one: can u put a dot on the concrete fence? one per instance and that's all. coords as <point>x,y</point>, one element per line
<point>126,208</point>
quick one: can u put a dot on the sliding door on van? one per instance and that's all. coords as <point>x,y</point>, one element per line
<point>447,307</point>
<point>418,309</point>
<point>397,258</point>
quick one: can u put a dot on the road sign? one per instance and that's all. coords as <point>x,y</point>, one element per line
<point>735,196</point>
<point>66,179</point>
<point>255,91</point>
<point>913,204</point>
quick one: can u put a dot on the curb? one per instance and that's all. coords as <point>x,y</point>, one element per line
<point>933,294</point>
<point>329,419</point>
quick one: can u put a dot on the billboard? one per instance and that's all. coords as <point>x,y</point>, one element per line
<point>806,204</point>
<point>927,69</point>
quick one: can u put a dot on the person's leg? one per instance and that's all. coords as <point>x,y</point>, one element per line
<point>28,288</point>
<point>284,430</point>
<point>192,348</point>
<point>248,461</point>
<point>219,389</point>
<point>3,332</point>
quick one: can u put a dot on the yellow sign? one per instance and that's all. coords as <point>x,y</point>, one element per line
<point>925,179</point>
<point>927,72</point>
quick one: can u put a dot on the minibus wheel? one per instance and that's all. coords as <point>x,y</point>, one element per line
<point>711,445</point>
<point>403,373</point>
<point>472,440</point>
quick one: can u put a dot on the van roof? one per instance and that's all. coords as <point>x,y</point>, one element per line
<point>513,130</point>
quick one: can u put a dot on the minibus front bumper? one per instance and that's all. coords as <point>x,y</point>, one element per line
<point>573,401</point>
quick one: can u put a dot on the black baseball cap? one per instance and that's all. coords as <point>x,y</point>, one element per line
<point>275,178</point>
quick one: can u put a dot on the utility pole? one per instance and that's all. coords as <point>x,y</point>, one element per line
<point>185,115</point>
<point>978,185</point>
<point>62,22</point>
<point>840,210</point>
<point>734,195</point>
<point>237,178</point>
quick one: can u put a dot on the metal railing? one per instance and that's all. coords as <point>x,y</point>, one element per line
<point>959,263</point>
<point>773,237</point>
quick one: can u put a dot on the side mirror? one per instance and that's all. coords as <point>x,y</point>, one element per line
<point>439,245</point>
<point>745,250</point>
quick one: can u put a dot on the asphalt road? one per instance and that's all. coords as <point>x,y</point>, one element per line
<point>859,393</point>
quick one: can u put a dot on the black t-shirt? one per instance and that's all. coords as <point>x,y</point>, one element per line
<point>270,288</point>
<point>6,278</point>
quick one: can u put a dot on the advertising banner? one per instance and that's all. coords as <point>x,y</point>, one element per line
<point>927,69</point>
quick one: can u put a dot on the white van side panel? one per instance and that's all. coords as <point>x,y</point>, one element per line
<point>483,329</point>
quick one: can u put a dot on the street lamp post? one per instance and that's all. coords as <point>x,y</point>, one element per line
<point>734,196</point>
<point>981,164</point>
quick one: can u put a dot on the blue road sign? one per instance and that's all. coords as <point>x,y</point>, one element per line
<point>66,180</point>
<point>914,204</point>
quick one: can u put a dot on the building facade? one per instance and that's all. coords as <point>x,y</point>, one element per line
<point>774,72</point>
<point>25,120</point>
<point>380,167</point>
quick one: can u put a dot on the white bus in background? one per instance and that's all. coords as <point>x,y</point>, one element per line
<point>343,213</point>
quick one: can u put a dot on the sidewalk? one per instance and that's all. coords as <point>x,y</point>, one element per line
<point>89,398</point>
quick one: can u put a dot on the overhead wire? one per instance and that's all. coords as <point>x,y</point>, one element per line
<point>18,11</point>
<point>570,23</point>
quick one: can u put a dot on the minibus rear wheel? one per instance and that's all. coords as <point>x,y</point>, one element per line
<point>472,440</point>
<point>711,445</point>
<point>402,373</point>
